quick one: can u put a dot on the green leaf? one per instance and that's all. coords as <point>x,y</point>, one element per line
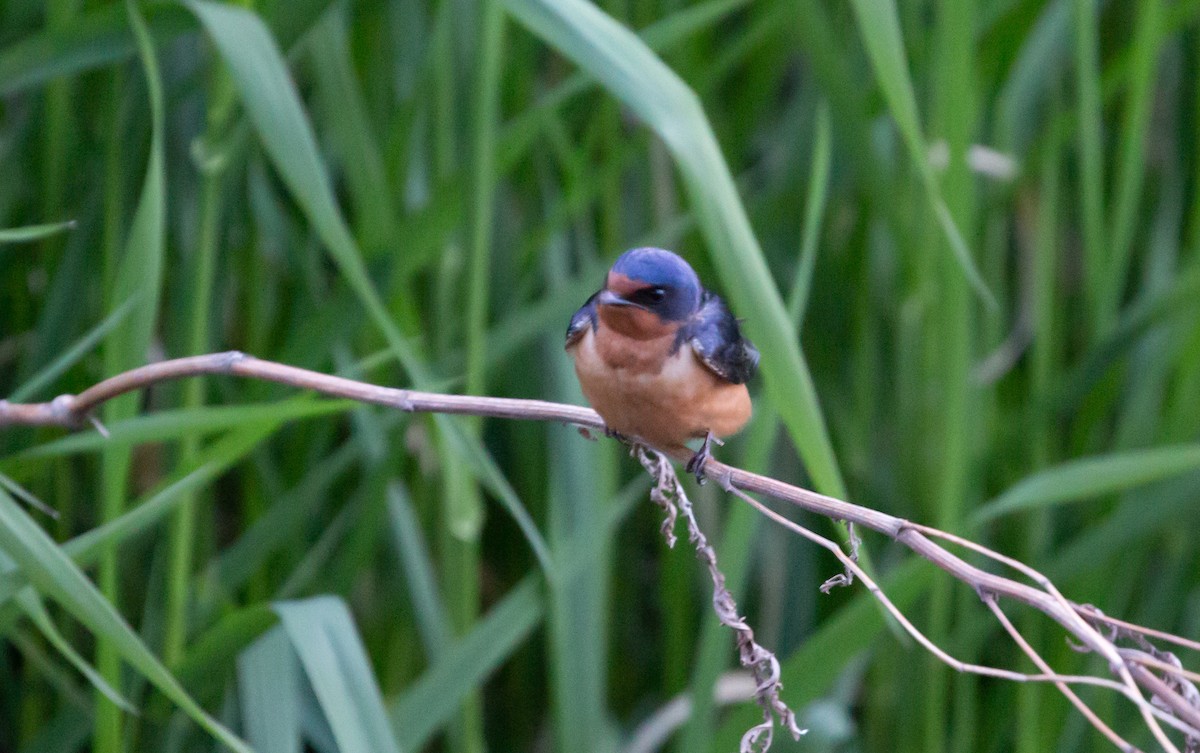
<point>879,27</point>
<point>434,699</point>
<point>73,354</point>
<point>34,232</point>
<point>138,276</point>
<point>273,105</point>
<point>31,604</point>
<point>326,640</point>
<point>100,37</point>
<point>417,565</point>
<point>86,548</point>
<point>484,468</point>
<point>169,426</point>
<point>814,212</point>
<point>219,645</point>
<point>53,573</point>
<point>1092,477</point>
<point>269,691</point>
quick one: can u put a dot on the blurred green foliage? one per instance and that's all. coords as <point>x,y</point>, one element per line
<point>963,233</point>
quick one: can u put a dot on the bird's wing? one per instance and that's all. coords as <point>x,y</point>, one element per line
<point>583,319</point>
<point>717,340</point>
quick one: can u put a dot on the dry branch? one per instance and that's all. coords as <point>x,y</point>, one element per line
<point>1173,698</point>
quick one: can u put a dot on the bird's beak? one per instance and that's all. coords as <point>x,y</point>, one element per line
<point>609,298</point>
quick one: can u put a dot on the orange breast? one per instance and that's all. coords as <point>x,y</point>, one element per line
<point>640,389</point>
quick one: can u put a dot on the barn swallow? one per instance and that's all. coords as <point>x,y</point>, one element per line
<point>661,358</point>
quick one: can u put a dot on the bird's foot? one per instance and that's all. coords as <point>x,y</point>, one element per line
<point>617,436</point>
<point>695,466</point>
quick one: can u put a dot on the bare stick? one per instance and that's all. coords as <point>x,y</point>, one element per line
<point>1173,700</point>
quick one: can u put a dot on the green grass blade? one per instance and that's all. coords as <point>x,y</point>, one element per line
<point>522,131</point>
<point>279,523</point>
<point>86,548</point>
<point>814,211</point>
<point>1091,158</point>
<point>432,621</point>
<point>483,467</point>
<point>91,40</point>
<point>353,136</point>
<point>1092,477</point>
<point>73,354</point>
<point>219,646</point>
<point>434,700</point>
<point>31,604</point>
<point>269,691</point>
<point>1145,316</point>
<point>25,496</point>
<point>170,426</point>
<point>53,573</point>
<point>324,637</point>
<point>1044,52</point>
<point>273,105</point>
<point>138,276</point>
<point>1131,165</point>
<point>31,233</point>
<point>879,26</point>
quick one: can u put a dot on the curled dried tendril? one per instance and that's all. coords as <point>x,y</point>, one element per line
<point>668,494</point>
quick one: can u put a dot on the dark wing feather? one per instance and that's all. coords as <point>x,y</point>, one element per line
<point>714,335</point>
<point>584,318</point>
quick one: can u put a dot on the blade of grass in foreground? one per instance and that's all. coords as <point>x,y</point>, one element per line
<point>632,72</point>
<point>30,602</point>
<point>326,640</point>
<point>170,426</point>
<point>87,547</point>
<point>417,565</point>
<point>269,690</point>
<point>53,573</point>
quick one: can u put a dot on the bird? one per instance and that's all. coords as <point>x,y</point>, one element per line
<point>660,357</point>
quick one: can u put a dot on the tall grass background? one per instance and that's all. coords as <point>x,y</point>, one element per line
<point>963,234</point>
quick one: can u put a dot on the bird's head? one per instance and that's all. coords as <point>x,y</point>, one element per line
<point>649,292</point>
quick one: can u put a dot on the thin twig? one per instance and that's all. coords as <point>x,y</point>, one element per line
<point>1096,721</point>
<point>1147,660</point>
<point>1090,613</point>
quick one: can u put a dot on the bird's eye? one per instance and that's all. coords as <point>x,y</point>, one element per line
<point>649,296</point>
